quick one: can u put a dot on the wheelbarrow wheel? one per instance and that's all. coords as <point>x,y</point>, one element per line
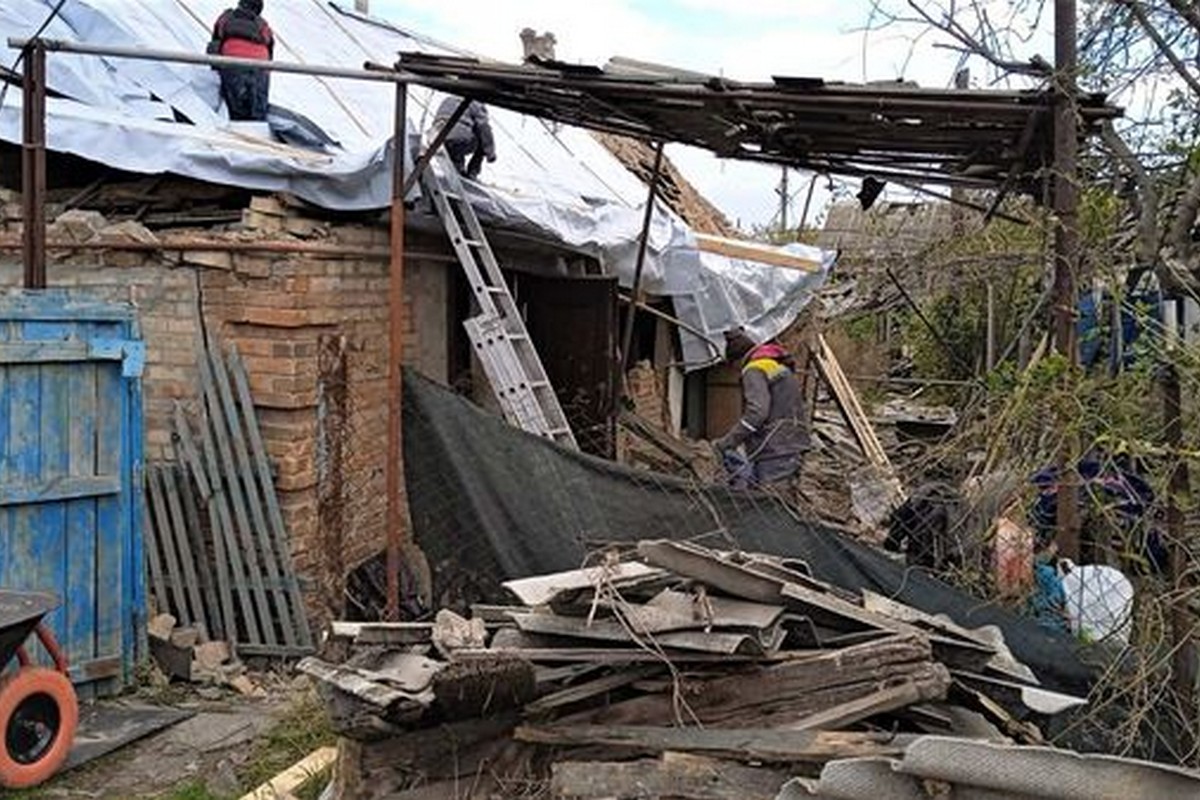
<point>39,713</point>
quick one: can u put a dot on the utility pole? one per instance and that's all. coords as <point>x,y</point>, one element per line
<point>1178,487</point>
<point>962,80</point>
<point>784,198</point>
<point>1066,254</point>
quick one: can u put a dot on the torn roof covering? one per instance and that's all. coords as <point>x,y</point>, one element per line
<point>556,182</point>
<point>891,131</point>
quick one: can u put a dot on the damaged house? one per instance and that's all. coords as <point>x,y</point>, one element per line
<point>270,239</point>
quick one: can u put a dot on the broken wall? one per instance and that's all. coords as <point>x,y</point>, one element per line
<point>312,329</point>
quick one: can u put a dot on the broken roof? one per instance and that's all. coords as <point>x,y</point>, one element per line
<point>555,182</point>
<point>891,131</point>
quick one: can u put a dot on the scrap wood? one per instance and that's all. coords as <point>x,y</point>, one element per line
<point>588,689</point>
<point>676,775</point>
<point>1021,732</point>
<point>425,748</point>
<point>603,655</point>
<point>848,404</point>
<point>465,689</point>
<point>754,744</point>
<point>284,785</point>
<point>497,615</point>
<point>788,689</point>
<point>671,446</point>
<point>931,685</point>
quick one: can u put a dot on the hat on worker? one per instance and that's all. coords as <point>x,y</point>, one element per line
<point>738,344</point>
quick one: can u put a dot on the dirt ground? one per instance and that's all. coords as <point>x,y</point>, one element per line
<point>228,747</point>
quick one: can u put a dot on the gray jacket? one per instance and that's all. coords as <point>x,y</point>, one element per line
<point>774,423</point>
<point>472,126</point>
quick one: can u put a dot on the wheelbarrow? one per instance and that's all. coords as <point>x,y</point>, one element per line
<point>39,711</point>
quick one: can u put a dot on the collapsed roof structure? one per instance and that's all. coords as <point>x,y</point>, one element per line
<point>330,147</point>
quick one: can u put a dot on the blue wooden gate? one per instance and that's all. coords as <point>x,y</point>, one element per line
<point>70,474</point>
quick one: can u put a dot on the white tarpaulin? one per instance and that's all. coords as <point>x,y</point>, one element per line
<point>153,117</point>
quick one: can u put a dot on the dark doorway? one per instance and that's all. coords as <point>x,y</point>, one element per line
<point>573,324</point>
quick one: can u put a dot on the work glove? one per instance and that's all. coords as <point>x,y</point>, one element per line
<point>724,444</point>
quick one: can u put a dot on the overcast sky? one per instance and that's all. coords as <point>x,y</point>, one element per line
<point>741,39</point>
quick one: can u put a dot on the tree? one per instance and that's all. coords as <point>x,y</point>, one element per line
<point>1141,52</point>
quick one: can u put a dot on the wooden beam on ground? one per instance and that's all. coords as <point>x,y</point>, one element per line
<point>847,402</point>
<point>755,744</point>
<point>928,687</point>
<point>285,784</point>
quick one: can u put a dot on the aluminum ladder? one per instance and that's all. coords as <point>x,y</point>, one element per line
<point>498,333</point>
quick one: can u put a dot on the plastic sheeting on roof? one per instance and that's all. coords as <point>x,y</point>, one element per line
<point>560,183</point>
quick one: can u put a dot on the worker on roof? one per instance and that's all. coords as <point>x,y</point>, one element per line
<point>470,140</point>
<point>772,433</point>
<point>242,33</point>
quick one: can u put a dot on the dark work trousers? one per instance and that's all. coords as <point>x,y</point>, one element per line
<point>246,92</point>
<point>467,156</point>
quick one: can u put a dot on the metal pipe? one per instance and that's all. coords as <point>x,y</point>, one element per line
<point>434,146</point>
<point>652,196</point>
<point>33,166</point>
<point>209,246</point>
<point>394,467</point>
<point>146,54</point>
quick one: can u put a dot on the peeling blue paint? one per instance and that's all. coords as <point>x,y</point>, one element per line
<point>70,461</point>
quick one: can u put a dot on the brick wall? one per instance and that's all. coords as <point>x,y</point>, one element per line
<point>313,333</point>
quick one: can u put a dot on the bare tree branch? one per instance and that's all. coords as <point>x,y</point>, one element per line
<point>1035,66</point>
<point>1147,236</point>
<point>1162,44</point>
<point>1188,10</point>
<point>1186,213</point>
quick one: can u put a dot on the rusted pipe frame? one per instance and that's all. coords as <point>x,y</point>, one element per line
<point>636,293</point>
<point>209,246</point>
<point>33,165</point>
<point>438,140</point>
<point>393,468</point>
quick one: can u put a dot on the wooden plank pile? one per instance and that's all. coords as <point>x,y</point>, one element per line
<point>217,547</point>
<point>718,675</point>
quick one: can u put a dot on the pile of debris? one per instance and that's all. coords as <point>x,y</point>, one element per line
<point>716,674</point>
<point>186,653</point>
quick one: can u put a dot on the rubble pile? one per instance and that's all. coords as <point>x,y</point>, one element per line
<point>715,674</point>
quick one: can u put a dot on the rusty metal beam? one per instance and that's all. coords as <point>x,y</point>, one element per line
<point>33,165</point>
<point>434,146</point>
<point>638,295</point>
<point>394,467</point>
<point>210,246</point>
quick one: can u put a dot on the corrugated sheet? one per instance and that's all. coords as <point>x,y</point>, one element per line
<point>975,770</point>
